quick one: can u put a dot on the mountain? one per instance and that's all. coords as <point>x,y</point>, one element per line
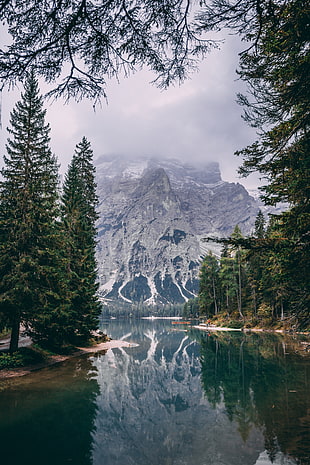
<point>153,216</point>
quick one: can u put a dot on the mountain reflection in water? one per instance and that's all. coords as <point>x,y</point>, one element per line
<point>152,408</point>
<point>179,398</point>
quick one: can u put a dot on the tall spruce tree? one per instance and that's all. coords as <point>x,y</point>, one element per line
<point>256,263</point>
<point>209,285</point>
<point>79,201</point>
<point>239,271</point>
<point>227,279</point>
<point>28,211</point>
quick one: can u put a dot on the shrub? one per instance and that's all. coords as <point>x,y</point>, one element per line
<point>11,361</point>
<point>24,356</point>
<point>235,324</point>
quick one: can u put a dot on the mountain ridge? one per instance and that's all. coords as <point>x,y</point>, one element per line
<point>153,215</point>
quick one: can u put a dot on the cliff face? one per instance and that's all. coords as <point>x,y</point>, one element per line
<point>153,215</point>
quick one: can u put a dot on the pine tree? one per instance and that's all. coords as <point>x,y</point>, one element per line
<point>79,201</point>
<point>28,211</point>
<point>227,281</point>
<point>209,285</point>
<point>256,262</point>
<point>260,226</point>
<point>239,258</point>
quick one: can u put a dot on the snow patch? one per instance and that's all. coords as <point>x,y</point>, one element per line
<point>180,290</point>
<point>121,295</point>
<point>151,300</point>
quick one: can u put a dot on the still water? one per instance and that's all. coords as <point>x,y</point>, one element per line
<point>179,398</point>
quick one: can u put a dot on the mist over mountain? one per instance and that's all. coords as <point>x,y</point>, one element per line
<point>154,214</point>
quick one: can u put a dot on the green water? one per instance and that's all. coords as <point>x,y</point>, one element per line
<point>181,398</point>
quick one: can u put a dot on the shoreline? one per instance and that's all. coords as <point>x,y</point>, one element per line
<point>249,330</point>
<point>215,328</point>
<point>9,373</point>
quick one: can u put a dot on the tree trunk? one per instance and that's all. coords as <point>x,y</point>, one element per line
<point>15,334</point>
<point>282,310</point>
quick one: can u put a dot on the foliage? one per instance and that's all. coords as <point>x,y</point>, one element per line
<point>47,266</point>
<point>11,360</point>
<point>78,45</point>
<point>5,332</point>
<point>239,273</point>
<point>277,70</point>
<point>235,324</point>
<point>191,308</point>
<point>208,285</point>
<point>228,284</point>
<point>275,67</point>
<point>118,309</point>
<point>29,237</point>
<point>78,213</point>
<point>223,283</point>
<point>254,279</point>
<point>24,356</point>
<point>98,40</point>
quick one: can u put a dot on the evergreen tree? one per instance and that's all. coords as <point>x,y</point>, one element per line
<point>260,226</point>
<point>228,281</point>
<point>191,308</point>
<point>277,72</point>
<point>29,254</point>
<point>256,263</point>
<point>209,285</point>
<point>275,68</point>
<point>239,268</point>
<point>79,201</point>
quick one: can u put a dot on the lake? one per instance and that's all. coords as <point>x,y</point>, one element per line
<point>179,398</point>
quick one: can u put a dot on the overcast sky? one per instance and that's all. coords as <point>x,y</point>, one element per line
<point>197,121</point>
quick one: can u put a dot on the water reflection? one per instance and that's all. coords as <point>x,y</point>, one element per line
<point>152,408</point>
<point>47,418</point>
<point>263,383</point>
<point>179,398</point>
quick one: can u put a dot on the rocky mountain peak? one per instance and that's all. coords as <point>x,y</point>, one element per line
<point>153,215</point>
<point>153,181</point>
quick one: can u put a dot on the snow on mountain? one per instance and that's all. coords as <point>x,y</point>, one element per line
<point>153,216</point>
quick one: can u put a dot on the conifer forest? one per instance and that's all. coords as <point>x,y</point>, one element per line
<point>47,251</point>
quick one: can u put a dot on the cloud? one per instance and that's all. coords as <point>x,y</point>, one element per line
<point>197,121</point>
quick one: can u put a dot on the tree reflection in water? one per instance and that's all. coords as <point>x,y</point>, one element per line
<point>47,418</point>
<point>179,398</point>
<point>152,408</point>
<point>264,383</point>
